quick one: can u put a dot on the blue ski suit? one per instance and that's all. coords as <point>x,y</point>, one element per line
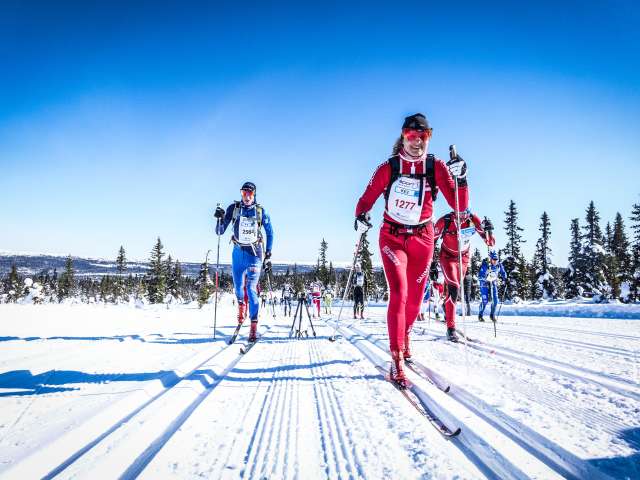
<point>246,259</point>
<point>488,277</point>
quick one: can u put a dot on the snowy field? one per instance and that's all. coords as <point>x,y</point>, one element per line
<point>122,392</point>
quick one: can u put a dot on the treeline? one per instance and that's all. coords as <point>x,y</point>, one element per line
<point>603,264</point>
<point>163,283</point>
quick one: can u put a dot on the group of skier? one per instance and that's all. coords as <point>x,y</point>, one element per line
<point>409,181</point>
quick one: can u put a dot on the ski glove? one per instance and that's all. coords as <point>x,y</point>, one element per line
<point>266,265</point>
<point>362,223</point>
<point>491,241</point>
<point>219,213</point>
<point>458,169</point>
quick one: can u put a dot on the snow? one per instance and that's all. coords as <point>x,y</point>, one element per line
<point>146,391</point>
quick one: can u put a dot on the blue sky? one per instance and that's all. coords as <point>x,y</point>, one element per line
<point>121,122</point>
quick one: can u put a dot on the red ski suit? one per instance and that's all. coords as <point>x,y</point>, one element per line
<point>449,256</point>
<point>407,252</point>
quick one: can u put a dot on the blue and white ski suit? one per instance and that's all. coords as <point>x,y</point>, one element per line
<point>488,277</point>
<point>246,260</point>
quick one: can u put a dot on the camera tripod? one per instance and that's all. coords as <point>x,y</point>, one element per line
<point>298,316</point>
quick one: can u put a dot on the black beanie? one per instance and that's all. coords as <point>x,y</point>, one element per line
<point>249,186</point>
<point>417,121</point>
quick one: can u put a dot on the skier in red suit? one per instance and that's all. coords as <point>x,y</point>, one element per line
<point>409,180</point>
<point>446,229</point>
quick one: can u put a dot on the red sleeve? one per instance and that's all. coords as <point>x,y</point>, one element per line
<point>437,229</point>
<point>446,184</point>
<point>478,224</point>
<point>374,189</point>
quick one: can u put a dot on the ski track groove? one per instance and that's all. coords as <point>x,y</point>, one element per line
<point>547,451</point>
<point>477,453</point>
<point>558,368</point>
<point>323,428</point>
<point>243,419</point>
<point>543,448</point>
<point>540,394</point>
<point>339,418</point>
<point>147,456</point>
<point>564,341</point>
<point>124,419</point>
<point>325,421</point>
<point>271,399</point>
<point>571,330</point>
<point>278,436</point>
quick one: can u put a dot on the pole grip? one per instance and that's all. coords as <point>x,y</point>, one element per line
<point>453,154</point>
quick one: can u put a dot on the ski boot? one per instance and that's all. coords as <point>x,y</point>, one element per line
<point>493,317</point>
<point>362,316</point>
<point>438,318</point>
<point>480,318</point>
<point>397,370</point>
<point>253,331</point>
<point>407,349</point>
<point>452,336</point>
<point>242,311</point>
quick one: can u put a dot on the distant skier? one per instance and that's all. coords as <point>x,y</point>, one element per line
<point>468,285</point>
<point>447,229</point>
<point>437,290</point>
<point>287,294</point>
<point>488,277</point>
<point>410,180</point>
<point>263,298</point>
<point>328,299</point>
<point>316,294</point>
<point>358,292</point>
<point>248,219</point>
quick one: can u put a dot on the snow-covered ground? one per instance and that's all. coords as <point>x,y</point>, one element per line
<point>118,391</point>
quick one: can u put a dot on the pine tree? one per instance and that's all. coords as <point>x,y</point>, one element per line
<point>156,278</point>
<point>543,285</point>
<point>121,261</point>
<point>174,283</point>
<point>620,249</point>
<point>476,262</point>
<point>634,270</point>
<point>14,284</point>
<point>121,268</point>
<point>365,261</point>
<point>67,283</point>
<point>204,284</point>
<point>593,254</point>
<point>575,274</point>
<point>323,272</point>
<point>511,255</point>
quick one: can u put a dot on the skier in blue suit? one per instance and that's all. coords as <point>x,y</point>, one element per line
<point>248,218</point>
<point>488,276</point>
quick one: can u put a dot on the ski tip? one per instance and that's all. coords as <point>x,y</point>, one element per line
<point>447,389</point>
<point>455,433</point>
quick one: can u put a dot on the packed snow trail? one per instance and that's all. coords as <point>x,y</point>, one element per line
<point>149,394</point>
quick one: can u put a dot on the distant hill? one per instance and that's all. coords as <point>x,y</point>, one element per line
<point>92,267</point>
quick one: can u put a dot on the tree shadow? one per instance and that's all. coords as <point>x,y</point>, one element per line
<point>55,380</point>
<point>159,338</point>
<point>623,467</point>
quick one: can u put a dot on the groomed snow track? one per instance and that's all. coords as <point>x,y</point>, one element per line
<point>473,441</point>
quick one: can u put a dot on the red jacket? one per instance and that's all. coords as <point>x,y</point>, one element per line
<point>450,237</point>
<point>445,183</point>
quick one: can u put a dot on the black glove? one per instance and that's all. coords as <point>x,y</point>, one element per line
<point>219,213</point>
<point>458,169</point>
<point>488,226</point>
<point>266,264</point>
<point>362,223</point>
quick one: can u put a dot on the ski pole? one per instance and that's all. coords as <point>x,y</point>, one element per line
<point>273,308</point>
<point>215,305</point>
<point>453,155</point>
<point>332,338</point>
